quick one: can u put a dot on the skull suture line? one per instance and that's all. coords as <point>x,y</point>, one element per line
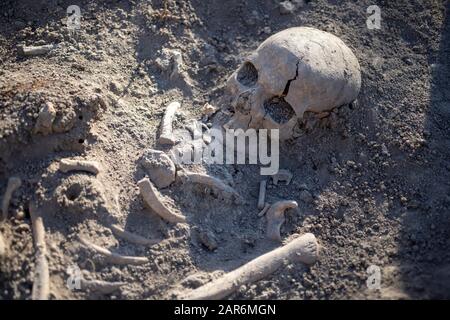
<point>296,70</point>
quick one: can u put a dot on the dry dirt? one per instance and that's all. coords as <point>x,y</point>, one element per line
<point>372,181</point>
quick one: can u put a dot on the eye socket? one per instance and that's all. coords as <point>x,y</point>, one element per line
<point>279,110</point>
<point>247,74</point>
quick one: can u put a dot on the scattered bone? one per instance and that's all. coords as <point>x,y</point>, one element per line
<point>131,237</point>
<point>206,238</point>
<point>103,287</point>
<point>113,257</point>
<point>67,165</point>
<point>212,182</point>
<point>282,175</point>
<point>41,285</point>
<point>197,279</point>
<point>37,50</point>
<point>167,136</point>
<point>159,167</point>
<point>275,218</point>
<point>13,184</point>
<point>2,247</point>
<point>304,249</point>
<point>262,194</point>
<point>155,201</point>
<point>208,110</point>
<point>45,119</point>
<point>290,6</point>
<point>177,63</point>
<point>264,210</point>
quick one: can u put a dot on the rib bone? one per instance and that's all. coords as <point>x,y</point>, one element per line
<point>154,200</point>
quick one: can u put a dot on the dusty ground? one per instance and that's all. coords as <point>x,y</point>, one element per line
<point>373,185</point>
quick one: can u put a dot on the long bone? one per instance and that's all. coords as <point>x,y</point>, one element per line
<point>41,285</point>
<point>304,249</point>
<point>113,257</point>
<point>212,182</point>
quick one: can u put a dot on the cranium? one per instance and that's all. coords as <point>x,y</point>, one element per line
<point>296,70</point>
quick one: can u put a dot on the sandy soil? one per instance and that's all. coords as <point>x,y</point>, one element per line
<point>372,182</point>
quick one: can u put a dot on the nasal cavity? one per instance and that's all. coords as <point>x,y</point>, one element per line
<point>279,110</point>
<point>247,74</point>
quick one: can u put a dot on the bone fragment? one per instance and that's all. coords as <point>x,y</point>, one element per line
<point>209,110</point>
<point>159,167</point>
<point>132,237</point>
<point>282,175</point>
<point>177,64</point>
<point>264,210</point>
<point>167,136</point>
<point>262,194</point>
<point>13,184</point>
<point>103,287</point>
<point>67,165</point>
<point>114,257</point>
<point>154,200</point>
<point>275,218</point>
<point>37,50</point>
<point>2,247</point>
<point>41,285</point>
<point>304,249</point>
<point>212,182</point>
<point>44,121</point>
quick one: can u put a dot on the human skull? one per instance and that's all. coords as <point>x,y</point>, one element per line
<point>296,70</point>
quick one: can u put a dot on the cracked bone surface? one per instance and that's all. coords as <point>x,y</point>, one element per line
<point>303,249</point>
<point>2,247</point>
<point>275,217</point>
<point>296,70</point>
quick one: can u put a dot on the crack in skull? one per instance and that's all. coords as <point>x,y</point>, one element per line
<point>267,95</point>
